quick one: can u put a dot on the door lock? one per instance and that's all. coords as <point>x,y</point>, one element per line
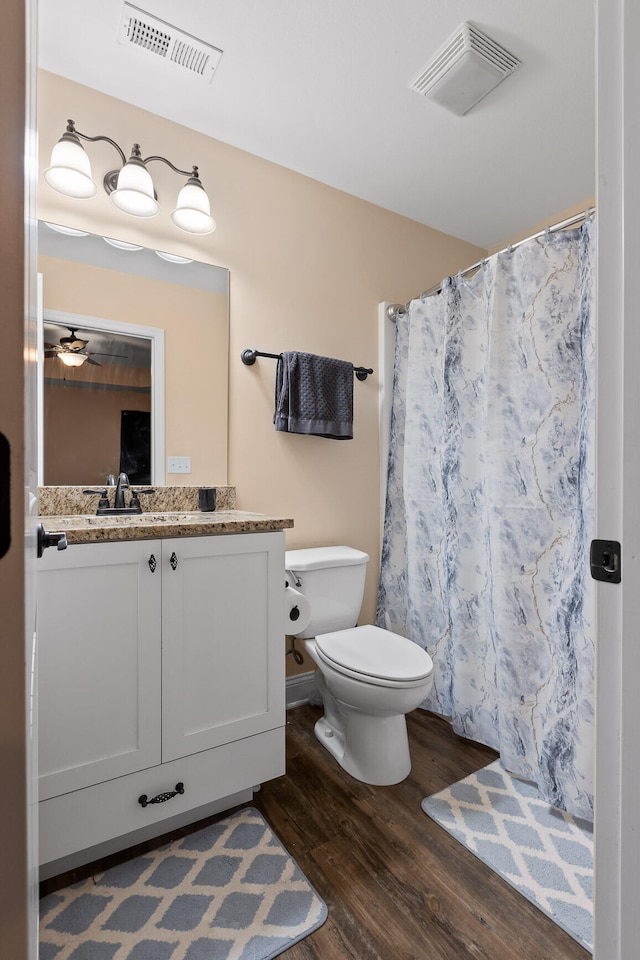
<point>605,560</point>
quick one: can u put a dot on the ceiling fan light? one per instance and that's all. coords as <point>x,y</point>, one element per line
<point>193,211</point>
<point>73,359</point>
<point>70,170</point>
<point>134,193</point>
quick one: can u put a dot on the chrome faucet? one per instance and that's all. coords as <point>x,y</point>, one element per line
<point>122,485</point>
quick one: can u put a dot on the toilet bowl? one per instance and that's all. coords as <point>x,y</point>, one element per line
<point>369,678</point>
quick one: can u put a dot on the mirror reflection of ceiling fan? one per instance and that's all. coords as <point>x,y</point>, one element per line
<point>71,350</point>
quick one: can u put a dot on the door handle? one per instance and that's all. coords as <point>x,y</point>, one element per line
<point>46,539</point>
<point>605,560</point>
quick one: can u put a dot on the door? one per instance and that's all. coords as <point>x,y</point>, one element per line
<point>18,834</point>
<point>222,636</point>
<point>617,839</point>
<point>98,663</point>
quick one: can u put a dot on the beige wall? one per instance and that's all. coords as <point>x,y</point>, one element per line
<point>82,430</point>
<point>196,330</point>
<point>308,265</point>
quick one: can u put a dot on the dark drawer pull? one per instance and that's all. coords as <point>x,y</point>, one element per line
<point>152,563</point>
<point>162,797</point>
<point>173,560</point>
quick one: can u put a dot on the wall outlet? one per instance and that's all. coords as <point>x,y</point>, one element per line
<point>178,464</point>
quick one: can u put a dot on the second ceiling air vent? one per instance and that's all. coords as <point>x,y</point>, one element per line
<point>464,70</point>
<point>142,31</point>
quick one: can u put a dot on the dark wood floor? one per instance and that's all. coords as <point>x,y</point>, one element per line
<point>397,886</point>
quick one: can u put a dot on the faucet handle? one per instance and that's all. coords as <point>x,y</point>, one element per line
<point>135,497</point>
<point>103,502</point>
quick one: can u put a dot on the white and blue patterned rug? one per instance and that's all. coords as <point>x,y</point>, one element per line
<point>547,855</point>
<point>227,892</point>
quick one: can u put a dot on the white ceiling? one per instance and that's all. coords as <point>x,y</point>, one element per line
<point>321,87</point>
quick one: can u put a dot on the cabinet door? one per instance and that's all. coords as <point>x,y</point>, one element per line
<point>98,663</point>
<point>222,640</point>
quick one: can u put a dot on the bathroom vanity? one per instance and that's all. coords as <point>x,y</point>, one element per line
<point>160,675</point>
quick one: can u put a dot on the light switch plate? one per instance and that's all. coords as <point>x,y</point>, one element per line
<point>178,464</point>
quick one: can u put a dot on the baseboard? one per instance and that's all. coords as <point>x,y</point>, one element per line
<point>300,688</point>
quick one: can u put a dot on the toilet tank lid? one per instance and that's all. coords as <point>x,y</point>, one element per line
<point>316,558</point>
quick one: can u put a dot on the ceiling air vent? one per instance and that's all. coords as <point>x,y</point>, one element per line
<point>464,70</point>
<point>143,31</point>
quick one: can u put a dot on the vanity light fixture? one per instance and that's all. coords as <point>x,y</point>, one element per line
<point>131,187</point>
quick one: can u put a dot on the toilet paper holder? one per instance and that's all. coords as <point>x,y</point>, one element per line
<point>297,656</point>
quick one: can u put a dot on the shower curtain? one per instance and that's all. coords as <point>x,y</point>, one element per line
<point>490,507</point>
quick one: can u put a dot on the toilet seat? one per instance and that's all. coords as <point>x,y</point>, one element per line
<point>375,656</point>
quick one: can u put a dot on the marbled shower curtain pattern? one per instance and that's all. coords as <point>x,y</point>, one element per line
<point>490,507</point>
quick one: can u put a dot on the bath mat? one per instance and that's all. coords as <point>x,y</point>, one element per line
<point>547,855</point>
<point>227,892</point>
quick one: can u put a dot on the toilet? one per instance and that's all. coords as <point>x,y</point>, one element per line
<point>369,678</point>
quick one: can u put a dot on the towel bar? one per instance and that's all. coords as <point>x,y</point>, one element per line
<point>249,357</point>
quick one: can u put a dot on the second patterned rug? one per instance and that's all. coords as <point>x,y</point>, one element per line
<point>544,853</point>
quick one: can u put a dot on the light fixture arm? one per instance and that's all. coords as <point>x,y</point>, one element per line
<point>185,173</point>
<point>71,130</point>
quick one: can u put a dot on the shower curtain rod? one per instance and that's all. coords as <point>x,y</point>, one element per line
<point>398,309</point>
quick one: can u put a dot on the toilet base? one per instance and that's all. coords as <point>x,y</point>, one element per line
<point>372,749</point>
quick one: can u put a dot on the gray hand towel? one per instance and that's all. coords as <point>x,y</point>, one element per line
<point>314,395</point>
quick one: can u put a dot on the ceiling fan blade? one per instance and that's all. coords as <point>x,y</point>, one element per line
<point>97,353</point>
<point>94,362</point>
<point>51,346</point>
<point>49,354</point>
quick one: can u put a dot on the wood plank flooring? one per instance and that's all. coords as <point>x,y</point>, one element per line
<point>397,886</point>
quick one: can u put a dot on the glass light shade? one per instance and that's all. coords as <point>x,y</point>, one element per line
<point>173,257</point>
<point>73,359</point>
<point>193,212</point>
<point>70,171</point>
<point>121,244</point>
<point>134,193</point>
<point>67,231</point>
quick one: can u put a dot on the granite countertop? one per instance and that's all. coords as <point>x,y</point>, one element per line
<point>81,528</point>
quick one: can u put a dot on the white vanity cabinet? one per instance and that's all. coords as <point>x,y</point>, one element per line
<point>160,663</point>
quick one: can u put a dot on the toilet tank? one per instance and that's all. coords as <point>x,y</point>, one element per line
<point>332,580</point>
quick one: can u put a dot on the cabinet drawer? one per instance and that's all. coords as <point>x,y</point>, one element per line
<point>87,817</point>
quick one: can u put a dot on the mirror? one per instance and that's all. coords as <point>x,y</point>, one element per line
<point>155,332</point>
